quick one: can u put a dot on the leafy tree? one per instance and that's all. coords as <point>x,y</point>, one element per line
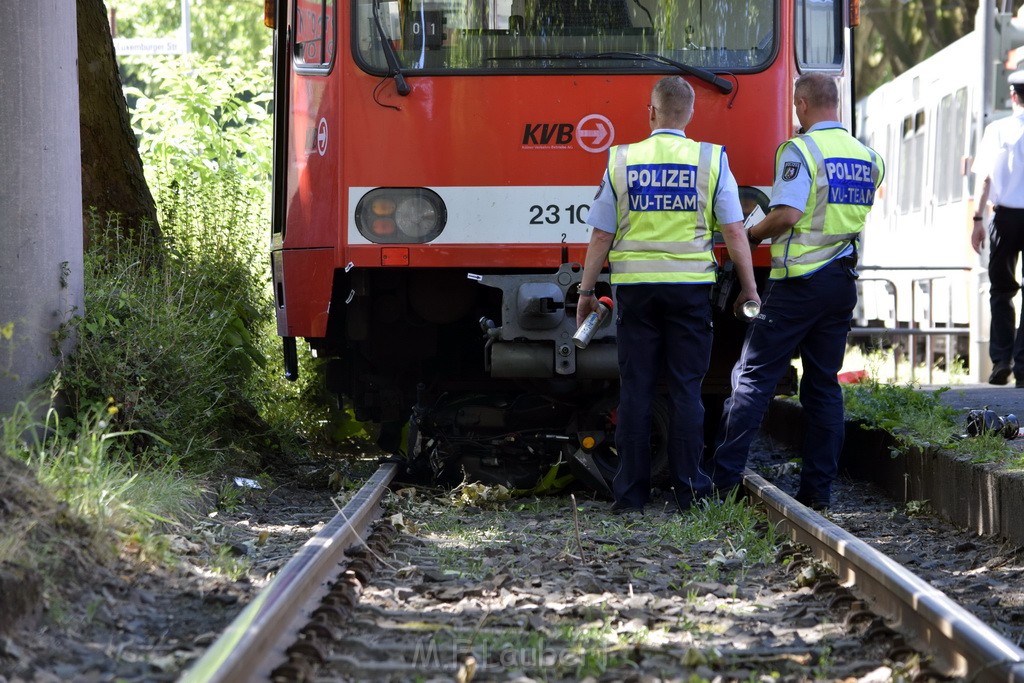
<point>894,35</point>
<point>206,112</point>
<point>210,117</point>
<point>211,97</point>
<point>219,30</point>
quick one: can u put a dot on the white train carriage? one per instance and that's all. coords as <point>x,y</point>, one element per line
<point>918,268</point>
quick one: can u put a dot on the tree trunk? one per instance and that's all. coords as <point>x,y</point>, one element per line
<point>112,177</point>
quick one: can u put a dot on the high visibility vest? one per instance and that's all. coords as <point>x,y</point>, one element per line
<point>664,188</point>
<point>845,174</point>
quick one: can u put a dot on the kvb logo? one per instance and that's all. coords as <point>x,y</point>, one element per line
<point>547,134</point>
<point>593,133</point>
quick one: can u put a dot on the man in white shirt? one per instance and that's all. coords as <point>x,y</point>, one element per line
<point>999,172</point>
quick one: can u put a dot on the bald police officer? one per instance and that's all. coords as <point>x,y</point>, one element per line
<point>825,182</point>
<point>653,219</point>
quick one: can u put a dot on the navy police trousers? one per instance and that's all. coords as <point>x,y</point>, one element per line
<point>810,315</point>
<point>661,327</point>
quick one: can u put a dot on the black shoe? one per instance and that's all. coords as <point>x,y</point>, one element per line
<point>816,504</point>
<point>618,509</point>
<point>1000,373</point>
<point>1019,383</point>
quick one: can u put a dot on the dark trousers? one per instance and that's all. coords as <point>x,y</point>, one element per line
<point>811,315</point>
<point>1006,237</point>
<point>661,327</point>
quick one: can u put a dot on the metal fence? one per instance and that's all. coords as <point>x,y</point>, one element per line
<point>913,328</point>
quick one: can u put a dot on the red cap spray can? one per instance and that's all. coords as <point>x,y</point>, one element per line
<point>593,322</point>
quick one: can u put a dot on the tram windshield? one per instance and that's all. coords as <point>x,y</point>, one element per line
<point>558,35</point>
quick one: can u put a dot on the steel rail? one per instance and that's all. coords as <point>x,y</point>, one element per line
<point>253,646</point>
<point>961,645</point>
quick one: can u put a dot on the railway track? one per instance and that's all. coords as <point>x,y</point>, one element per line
<point>563,591</point>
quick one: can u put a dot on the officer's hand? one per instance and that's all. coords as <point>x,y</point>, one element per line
<point>586,306</point>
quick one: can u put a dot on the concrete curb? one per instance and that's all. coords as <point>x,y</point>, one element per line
<point>984,499</point>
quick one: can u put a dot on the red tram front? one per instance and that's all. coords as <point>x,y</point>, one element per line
<point>434,164</point>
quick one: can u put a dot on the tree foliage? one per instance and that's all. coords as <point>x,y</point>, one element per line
<point>206,112</point>
<point>894,35</point>
<point>206,117</point>
<point>219,28</point>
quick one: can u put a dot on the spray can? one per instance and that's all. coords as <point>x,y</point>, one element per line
<point>593,322</point>
<point>748,311</point>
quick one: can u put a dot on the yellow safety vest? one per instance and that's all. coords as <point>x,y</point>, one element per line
<point>845,174</point>
<point>664,188</point>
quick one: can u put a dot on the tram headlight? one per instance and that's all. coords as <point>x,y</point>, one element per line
<point>399,215</point>
<point>416,217</point>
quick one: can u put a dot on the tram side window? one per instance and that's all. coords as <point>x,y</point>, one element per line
<point>314,34</point>
<point>911,163</point>
<point>819,34</point>
<point>952,125</point>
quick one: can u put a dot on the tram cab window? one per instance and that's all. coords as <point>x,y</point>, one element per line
<point>819,33</point>
<point>314,28</point>
<point>442,36</point>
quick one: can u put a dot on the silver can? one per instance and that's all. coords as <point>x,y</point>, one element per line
<point>590,325</point>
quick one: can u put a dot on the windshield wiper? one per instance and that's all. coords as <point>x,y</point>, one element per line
<point>703,74</point>
<point>389,53</point>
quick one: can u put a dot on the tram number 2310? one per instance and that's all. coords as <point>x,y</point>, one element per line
<point>552,214</point>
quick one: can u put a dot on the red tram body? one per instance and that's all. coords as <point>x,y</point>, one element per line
<point>434,163</point>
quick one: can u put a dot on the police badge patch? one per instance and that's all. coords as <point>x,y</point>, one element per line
<point>790,170</point>
<point>600,187</point>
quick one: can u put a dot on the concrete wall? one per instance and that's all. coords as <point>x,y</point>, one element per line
<point>40,191</point>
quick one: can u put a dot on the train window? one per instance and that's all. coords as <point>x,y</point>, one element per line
<point>886,147</point>
<point>444,36</point>
<point>314,30</point>
<point>911,176</point>
<point>819,34</point>
<point>952,137</point>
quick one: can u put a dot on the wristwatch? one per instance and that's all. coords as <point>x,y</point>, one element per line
<point>978,218</point>
<point>585,292</point>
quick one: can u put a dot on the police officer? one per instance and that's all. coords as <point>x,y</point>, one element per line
<point>825,182</point>
<point>999,175</point>
<point>653,218</point>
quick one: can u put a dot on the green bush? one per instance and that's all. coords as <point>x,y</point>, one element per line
<point>202,118</point>
<point>179,331</point>
<point>168,329</point>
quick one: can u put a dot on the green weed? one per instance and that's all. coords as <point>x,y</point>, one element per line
<point>919,419</point>
<point>913,417</point>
